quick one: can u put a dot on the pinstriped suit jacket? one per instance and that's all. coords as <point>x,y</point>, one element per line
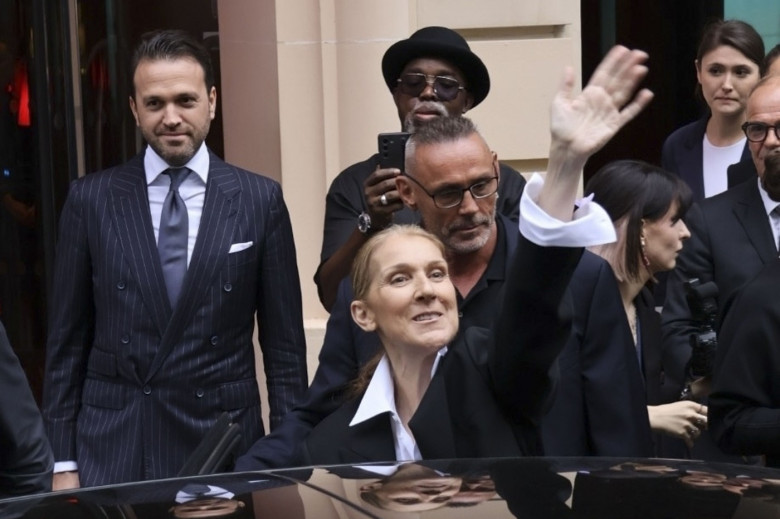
<point>131,384</point>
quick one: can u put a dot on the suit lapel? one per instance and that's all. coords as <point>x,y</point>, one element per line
<point>215,235</point>
<point>749,211</point>
<point>371,440</point>
<point>692,169</point>
<point>431,422</point>
<point>129,208</point>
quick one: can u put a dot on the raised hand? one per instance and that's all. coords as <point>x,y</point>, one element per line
<point>583,123</point>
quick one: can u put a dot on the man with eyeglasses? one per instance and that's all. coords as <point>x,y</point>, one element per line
<point>734,235</point>
<point>745,401</point>
<point>431,74</point>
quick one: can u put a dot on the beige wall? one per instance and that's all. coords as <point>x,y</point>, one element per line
<point>303,95</point>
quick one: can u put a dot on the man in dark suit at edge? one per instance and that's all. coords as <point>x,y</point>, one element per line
<point>161,266</point>
<point>25,456</point>
<point>733,238</point>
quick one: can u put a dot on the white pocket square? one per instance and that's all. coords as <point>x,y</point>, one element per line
<point>238,247</point>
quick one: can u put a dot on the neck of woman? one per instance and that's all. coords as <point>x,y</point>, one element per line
<point>724,130</point>
<point>628,292</point>
<point>411,377</point>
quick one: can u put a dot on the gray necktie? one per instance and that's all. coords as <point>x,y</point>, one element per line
<point>173,235</point>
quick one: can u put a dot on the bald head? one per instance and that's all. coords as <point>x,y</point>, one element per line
<point>763,107</point>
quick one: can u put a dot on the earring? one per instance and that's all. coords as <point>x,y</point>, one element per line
<point>645,260</point>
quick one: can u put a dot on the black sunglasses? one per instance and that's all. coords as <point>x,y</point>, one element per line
<point>413,83</point>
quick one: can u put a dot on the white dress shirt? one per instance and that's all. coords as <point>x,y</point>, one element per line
<point>380,398</point>
<point>192,190</point>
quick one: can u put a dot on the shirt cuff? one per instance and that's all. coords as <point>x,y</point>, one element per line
<point>591,225</point>
<point>65,466</point>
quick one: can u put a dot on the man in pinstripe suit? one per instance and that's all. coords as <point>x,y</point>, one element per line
<point>135,376</point>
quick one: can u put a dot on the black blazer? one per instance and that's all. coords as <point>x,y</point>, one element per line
<point>599,408</point>
<point>128,377</point>
<point>731,241</point>
<point>492,387</point>
<point>744,412</point>
<point>682,154</point>
<point>26,460</point>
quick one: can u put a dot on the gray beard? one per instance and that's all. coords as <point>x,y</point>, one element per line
<point>410,125</point>
<point>770,181</point>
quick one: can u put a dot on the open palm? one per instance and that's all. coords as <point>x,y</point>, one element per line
<point>585,122</point>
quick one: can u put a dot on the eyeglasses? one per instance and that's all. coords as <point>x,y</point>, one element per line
<point>757,132</point>
<point>413,83</point>
<point>451,197</point>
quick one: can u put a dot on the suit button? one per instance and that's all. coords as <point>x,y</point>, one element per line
<point>214,340</point>
<point>121,285</point>
<point>227,287</point>
<point>147,390</point>
<point>199,393</point>
<point>125,339</point>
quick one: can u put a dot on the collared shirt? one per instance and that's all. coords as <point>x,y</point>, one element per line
<point>379,398</point>
<point>478,307</point>
<point>192,190</point>
<point>591,226</point>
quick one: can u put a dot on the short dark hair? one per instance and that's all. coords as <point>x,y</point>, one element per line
<point>171,44</point>
<point>771,56</point>
<point>631,191</point>
<point>439,130</point>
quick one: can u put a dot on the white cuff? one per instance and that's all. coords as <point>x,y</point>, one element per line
<point>65,466</point>
<point>591,224</point>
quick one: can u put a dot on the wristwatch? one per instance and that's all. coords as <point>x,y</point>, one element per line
<point>364,222</point>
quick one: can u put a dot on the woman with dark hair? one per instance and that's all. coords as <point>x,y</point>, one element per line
<point>610,395</point>
<point>729,63</point>
<point>646,205</point>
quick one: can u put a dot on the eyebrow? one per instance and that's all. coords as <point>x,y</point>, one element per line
<point>450,186</point>
<point>403,265</point>
<point>439,72</point>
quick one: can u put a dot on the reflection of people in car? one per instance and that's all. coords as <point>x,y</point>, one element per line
<point>474,489</point>
<point>209,507</point>
<point>656,489</point>
<point>412,488</point>
<point>432,395</point>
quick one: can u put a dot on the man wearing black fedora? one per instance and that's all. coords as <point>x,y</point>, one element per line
<point>431,74</point>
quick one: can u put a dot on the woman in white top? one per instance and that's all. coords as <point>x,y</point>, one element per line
<point>728,64</point>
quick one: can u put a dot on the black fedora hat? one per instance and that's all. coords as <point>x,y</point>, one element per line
<point>437,42</point>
